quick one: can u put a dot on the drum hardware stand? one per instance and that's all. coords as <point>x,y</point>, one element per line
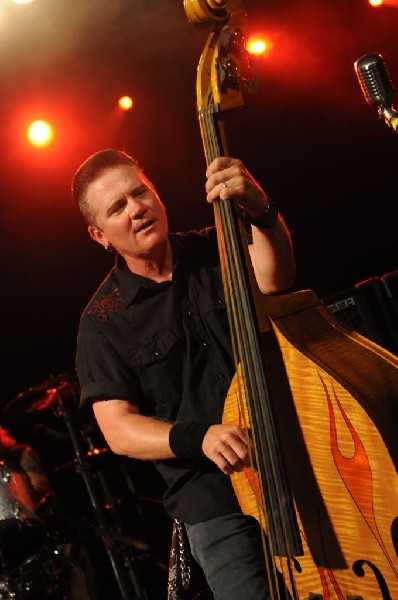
<point>123,568</point>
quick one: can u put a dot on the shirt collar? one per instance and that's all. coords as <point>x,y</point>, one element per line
<point>130,283</point>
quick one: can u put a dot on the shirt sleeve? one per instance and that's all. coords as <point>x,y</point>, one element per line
<point>102,373</point>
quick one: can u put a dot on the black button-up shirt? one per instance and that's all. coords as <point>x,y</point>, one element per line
<point>166,348</point>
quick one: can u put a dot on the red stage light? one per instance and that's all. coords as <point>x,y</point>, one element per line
<point>40,133</point>
<point>125,103</point>
<point>258,46</point>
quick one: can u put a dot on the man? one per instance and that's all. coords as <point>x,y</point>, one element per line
<point>154,353</point>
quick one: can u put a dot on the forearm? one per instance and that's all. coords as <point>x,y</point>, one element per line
<point>273,258</point>
<point>137,436</point>
<point>131,434</point>
<point>271,251</point>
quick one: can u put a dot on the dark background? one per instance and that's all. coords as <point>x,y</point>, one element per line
<point>307,135</point>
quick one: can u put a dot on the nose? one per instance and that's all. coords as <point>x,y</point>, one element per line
<point>134,209</point>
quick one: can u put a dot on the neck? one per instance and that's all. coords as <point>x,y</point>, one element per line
<point>158,266</point>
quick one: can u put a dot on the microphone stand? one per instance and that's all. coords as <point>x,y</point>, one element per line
<point>390,116</point>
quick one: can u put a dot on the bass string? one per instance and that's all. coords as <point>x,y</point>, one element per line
<point>245,343</point>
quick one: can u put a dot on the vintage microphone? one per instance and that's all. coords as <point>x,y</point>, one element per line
<point>377,87</point>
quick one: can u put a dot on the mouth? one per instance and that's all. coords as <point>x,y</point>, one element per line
<point>145,224</point>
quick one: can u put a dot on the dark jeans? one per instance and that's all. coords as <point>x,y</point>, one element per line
<point>230,551</point>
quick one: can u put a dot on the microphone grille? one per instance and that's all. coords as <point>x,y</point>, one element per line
<point>374,79</point>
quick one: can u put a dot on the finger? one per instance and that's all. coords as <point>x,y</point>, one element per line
<point>217,179</point>
<point>220,190</point>
<point>224,190</point>
<point>236,453</point>
<point>219,164</point>
<point>226,458</point>
<point>223,464</point>
<point>229,465</point>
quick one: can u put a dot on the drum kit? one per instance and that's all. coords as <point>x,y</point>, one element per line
<point>54,554</point>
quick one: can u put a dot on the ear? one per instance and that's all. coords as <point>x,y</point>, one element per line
<point>98,236</point>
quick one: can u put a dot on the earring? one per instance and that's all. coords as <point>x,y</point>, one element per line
<point>109,248</point>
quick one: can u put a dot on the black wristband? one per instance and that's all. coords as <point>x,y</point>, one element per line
<point>267,219</point>
<point>185,439</point>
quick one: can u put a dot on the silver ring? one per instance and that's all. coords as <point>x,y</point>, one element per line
<point>225,185</point>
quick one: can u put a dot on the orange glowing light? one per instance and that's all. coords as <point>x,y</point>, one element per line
<point>23,1</point>
<point>258,46</point>
<point>40,133</point>
<point>125,103</point>
<point>375,2</point>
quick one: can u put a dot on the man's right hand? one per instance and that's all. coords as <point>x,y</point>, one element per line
<point>227,446</point>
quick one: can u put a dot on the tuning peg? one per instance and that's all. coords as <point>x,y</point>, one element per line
<point>231,42</point>
<point>228,77</point>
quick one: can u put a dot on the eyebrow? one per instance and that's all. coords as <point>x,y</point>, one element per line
<point>139,188</point>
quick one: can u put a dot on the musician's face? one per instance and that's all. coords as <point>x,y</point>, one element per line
<point>128,212</point>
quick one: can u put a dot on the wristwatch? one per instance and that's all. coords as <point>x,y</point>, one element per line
<point>267,219</point>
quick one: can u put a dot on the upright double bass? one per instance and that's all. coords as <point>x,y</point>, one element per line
<point>319,401</point>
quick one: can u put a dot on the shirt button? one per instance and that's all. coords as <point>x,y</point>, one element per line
<point>157,353</point>
<point>220,376</point>
<point>190,313</point>
<point>204,344</point>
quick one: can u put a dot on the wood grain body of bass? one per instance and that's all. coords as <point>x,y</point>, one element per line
<point>335,404</point>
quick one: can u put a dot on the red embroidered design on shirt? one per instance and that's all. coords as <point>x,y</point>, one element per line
<point>105,305</point>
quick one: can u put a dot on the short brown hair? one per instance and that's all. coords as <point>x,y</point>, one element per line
<point>90,170</point>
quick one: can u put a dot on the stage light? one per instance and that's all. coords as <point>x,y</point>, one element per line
<point>40,133</point>
<point>257,46</point>
<point>22,1</point>
<point>125,103</point>
<point>384,3</point>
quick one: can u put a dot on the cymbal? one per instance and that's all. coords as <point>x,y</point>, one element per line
<point>38,397</point>
<point>32,400</point>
